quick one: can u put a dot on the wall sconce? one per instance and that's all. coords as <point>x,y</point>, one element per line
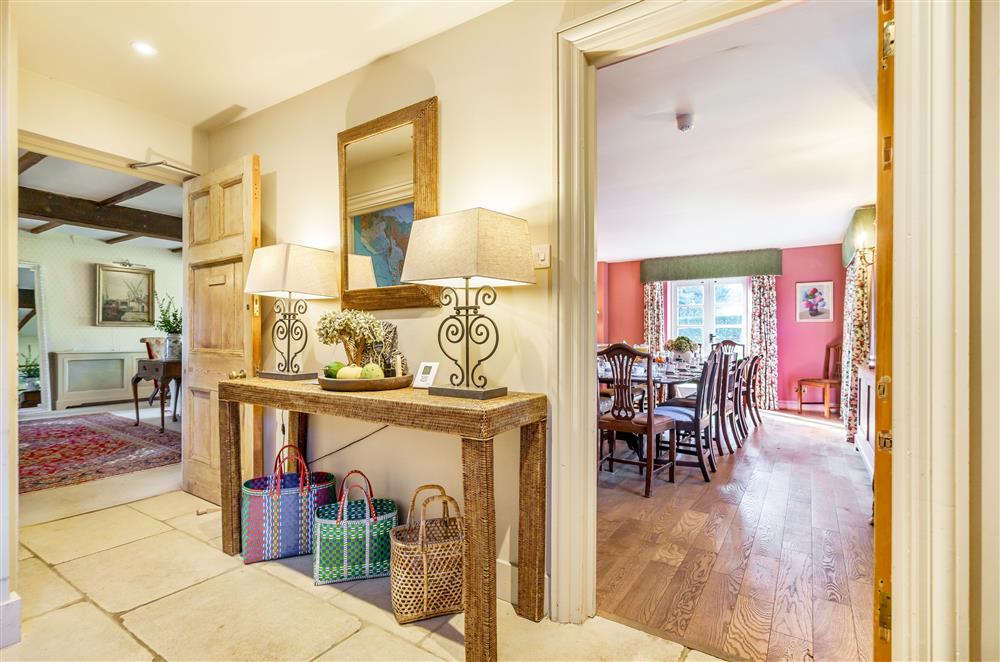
<point>866,253</point>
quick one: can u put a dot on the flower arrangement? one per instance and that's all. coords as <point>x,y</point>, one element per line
<point>680,344</point>
<point>813,302</point>
<point>354,329</point>
<point>169,319</point>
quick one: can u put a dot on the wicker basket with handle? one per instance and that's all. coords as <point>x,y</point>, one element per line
<point>426,563</point>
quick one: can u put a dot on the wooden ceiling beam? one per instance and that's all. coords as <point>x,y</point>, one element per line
<point>178,249</point>
<point>45,206</point>
<point>27,160</point>
<point>120,239</point>
<point>27,318</point>
<point>145,187</point>
<point>25,298</point>
<point>51,225</point>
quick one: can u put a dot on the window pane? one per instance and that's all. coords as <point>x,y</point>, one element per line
<point>725,319</point>
<point>733,333</point>
<point>690,316</point>
<point>690,295</point>
<point>729,293</point>
<point>692,332</point>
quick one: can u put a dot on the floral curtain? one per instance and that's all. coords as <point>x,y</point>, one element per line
<point>652,318</point>
<point>764,338</point>
<point>857,298</point>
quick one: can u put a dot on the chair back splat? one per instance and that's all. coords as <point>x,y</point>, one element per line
<point>622,358</point>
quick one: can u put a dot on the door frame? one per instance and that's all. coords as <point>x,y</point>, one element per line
<point>43,335</point>
<point>932,290</point>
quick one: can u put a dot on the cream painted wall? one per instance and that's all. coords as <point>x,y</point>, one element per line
<point>62,111</point>
<point>68,281</point>
<point>495,80</point>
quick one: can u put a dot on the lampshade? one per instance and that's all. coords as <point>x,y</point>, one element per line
<point>487,247</point>
<point>283,269</point>
<point>360,272</point>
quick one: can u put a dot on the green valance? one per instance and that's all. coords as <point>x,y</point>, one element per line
<point>712,265</point>
<point>862,225</point>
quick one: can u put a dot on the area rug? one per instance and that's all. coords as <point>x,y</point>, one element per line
<point>55,452</point>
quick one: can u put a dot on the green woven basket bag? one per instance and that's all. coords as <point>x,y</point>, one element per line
<point>352,537</point>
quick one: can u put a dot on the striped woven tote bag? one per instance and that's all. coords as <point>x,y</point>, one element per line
<point>278,511</point>
<point>352,537</point>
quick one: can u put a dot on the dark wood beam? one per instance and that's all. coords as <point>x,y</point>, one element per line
<point>118,240</point>
<point>27,160</point>
<point>27,318</point>
<point>89,214</point>
<point>25,298</point>
<point>52,225</point>
<point>145,187</point>
<point>179,249</point>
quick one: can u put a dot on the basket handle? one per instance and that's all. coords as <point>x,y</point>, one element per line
<point>445,500</point>
<point>345,489</point>
<point>279,469</point>
<point>413,501</point>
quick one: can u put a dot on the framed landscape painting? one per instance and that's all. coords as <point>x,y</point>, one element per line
<point>814,301</point>
<point>124,296</point>
<point>383,235</point>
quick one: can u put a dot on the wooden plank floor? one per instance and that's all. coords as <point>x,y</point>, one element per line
<point>772,560</point>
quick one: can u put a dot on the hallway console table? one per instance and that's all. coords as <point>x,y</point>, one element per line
<point>477,422</point>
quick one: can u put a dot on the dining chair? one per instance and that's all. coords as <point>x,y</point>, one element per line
<point>739,397</point>
<point>730,347</point>
<point>750,389</point>
<point>694,424</point>
<point>830,380</point>
<point>627,416</point>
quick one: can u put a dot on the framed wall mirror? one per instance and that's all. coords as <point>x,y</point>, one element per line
<point>388,181</point>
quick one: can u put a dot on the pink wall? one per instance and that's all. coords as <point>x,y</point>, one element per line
<point>602,302</point>
<point>800,344</point>
<point>623,311</point>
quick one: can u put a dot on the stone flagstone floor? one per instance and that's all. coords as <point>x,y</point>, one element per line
<point>148,581</point>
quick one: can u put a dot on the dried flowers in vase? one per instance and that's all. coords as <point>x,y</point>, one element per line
<point>354,329</point>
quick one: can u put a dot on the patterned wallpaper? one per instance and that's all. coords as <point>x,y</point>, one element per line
<point>68,281</point>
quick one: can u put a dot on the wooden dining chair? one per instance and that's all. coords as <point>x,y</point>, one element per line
<point>830,380</point>
<point>694,424</point>
<point>739,397</point>
<point>731,347</point>
<point>750,389</point>
<point>625,416</point>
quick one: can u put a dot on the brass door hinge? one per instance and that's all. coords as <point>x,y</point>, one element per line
<point>883,440</point>
<point>886,152</point>
<point>888,41</point>
<point>882,388</point>
<point>884,614</point>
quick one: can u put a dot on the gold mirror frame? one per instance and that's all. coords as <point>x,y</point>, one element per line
<point>424,118</point>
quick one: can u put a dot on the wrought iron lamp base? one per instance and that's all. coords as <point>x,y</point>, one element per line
<point>288,376</point>
<point>469,393</point>
<point>290,329</point>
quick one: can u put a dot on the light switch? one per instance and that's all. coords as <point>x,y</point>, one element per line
<point>542,254</point>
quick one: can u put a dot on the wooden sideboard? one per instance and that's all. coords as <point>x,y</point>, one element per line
<point>864,438</point>
<point>476,422</point>
<point>85,378</point>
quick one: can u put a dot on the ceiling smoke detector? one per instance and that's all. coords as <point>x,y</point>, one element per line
<point>684,122</point>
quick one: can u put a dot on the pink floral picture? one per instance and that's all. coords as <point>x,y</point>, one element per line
<point>815,301</point>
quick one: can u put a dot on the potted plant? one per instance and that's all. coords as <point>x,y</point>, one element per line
<point>354,329</point>
<point>683,348</point>
<point>169,321</point>
<point>28,369</point>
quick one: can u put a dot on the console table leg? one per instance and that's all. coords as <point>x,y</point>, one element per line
<point>298,424</point>
<point>531,525</point>
<point>229,462</point>
<point>480,551</point>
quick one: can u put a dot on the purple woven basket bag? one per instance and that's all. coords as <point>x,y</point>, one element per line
<point>278,511</point>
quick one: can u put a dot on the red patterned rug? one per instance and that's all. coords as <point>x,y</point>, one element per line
<point>55,452</point>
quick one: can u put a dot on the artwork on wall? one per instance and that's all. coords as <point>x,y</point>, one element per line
<point>383,235</point>
<point>814,301</point>
<point>124,295</point>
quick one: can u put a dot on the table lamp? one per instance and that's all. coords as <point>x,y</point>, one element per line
<point>360,272</point>
<point>475,250</point>
<point>291,274</point>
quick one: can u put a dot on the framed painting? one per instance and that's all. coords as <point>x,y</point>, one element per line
<point>814,301</point>
<point>383,236</point>
<point>124,296</point>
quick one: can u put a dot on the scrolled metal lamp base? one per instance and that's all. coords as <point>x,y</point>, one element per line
<point>288,328</point>
<point>466,327</point>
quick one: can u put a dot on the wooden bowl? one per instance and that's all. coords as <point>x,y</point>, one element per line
<point>384,384</point>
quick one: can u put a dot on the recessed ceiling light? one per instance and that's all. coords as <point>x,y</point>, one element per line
<point>142,48</point>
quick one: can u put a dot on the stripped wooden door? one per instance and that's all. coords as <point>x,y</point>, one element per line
<point>883,336</point>
<point>221,323</point>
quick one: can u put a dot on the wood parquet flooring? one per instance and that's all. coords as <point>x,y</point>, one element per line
<point>772,560</point>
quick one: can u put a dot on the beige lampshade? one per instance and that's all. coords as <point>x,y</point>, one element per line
<point>487,247</point>
<point>360,272</point>
<point>283,269</point>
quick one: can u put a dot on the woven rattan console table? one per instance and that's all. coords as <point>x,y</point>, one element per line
<point>477,422</point>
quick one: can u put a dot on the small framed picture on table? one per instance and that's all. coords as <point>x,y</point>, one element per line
<point>425,374</point>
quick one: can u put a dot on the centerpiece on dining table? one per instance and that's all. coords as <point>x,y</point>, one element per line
<point>682,348</point>
<point>363,337</point>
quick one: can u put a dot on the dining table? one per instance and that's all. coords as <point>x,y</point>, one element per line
<point>670,377</point>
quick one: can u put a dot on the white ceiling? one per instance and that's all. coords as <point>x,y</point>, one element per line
<point>783,146</point>
<point>78,180</point>
<point>218,60</point>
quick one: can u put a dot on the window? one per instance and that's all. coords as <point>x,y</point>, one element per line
<point>709,311</point>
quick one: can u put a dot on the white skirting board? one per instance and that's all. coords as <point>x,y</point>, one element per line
<point>10,620</point>
<point>507,584</point>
